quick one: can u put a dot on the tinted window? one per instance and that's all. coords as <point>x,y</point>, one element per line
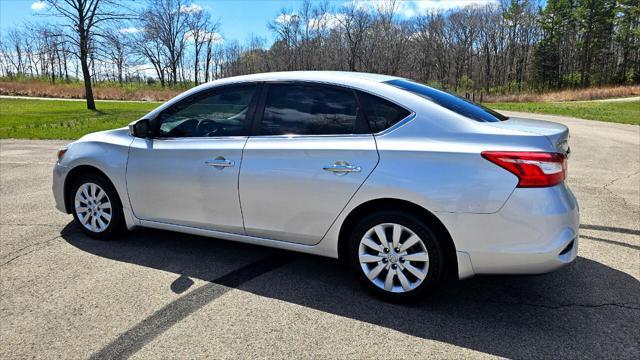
<point>221,112</point>
<point>454,103</point>
<point>308,110</point>
<point>381,114</point>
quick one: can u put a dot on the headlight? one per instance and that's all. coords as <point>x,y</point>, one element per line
<point>61,153</point>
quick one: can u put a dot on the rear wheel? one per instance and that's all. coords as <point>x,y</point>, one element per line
<point>96,207</point>
<point>395,255</point>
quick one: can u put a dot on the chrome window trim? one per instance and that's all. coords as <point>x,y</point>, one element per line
<point>296,136</point>
<point>397,125</point>
<point>235,137</point>
<point>346,87</point>
<point>400,123</point>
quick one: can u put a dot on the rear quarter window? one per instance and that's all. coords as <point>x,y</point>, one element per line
<point>381,114</point>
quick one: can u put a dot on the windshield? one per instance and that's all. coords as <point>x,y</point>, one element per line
<point>454,103</point>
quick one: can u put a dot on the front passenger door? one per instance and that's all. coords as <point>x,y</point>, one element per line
<point>188,173</point>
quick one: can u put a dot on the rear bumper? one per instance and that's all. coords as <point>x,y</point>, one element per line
<point>536,231</point>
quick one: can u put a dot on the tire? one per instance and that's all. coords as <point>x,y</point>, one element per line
<point>406,260</point>
<point>96,207</point>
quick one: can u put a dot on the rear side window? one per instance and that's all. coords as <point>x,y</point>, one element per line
<point>381,114</point>
<point>302,109</point>
<point>454,103</point>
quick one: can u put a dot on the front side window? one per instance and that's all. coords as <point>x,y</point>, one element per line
<point>301,109</point>
<point>218,112</point>
<point>454,103</point>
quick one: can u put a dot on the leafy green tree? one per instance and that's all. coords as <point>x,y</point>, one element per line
<point>628,40</point>
<point>595,31</point>
<point>553,57</point>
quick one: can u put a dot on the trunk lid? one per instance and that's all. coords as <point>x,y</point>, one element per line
<point>558,134</point>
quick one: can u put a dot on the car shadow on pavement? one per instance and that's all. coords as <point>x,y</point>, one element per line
<point>584,310</point>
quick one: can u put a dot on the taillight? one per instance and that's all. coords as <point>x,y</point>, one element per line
<point>533,169</point>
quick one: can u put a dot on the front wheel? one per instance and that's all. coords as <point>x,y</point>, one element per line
<point>396,255</point>
<point>96,207</point>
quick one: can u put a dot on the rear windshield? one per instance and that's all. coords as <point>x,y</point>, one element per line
<point>454,103</point>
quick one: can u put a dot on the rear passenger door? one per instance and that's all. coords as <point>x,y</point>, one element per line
<point>310,151</point>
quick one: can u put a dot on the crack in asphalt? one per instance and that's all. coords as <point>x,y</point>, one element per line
<point>39,245</point>
<point>624,200</point>
<point>629,306</point>
<point>28,252</point>
<point>32,224</point>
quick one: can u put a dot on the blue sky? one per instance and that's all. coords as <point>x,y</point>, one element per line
<point>239,18</point>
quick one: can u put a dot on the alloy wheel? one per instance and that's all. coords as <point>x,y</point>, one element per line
<point>93,207</point>
<point>393,257</point>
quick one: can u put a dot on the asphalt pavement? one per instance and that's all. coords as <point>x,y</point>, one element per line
<point>156,294</point>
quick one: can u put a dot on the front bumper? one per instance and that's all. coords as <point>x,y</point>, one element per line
<point>59,176</point>
<point>536,231</point>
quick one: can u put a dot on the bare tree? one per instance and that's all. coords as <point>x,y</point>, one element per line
<point>355,22</point>
<point>84,18</point>
<point>508,45</point>
<point>149,46</point>
<point>115,51</point>
<point>167,21</point>
<point>15,55</point>
<point>201,31</point>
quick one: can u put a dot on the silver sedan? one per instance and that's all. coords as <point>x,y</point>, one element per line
<point>407,184</point>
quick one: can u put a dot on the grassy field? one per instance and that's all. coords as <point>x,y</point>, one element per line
<point>592,93</point>
<point>54,119</point>
<point>620,112</point>
<point>109,90</point>
<point>101,91</point>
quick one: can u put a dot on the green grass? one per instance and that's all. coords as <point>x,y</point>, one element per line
<point>52,119</point>
<point>619,112</point>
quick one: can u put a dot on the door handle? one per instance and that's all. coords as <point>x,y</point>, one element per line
<point>220,163</point>
<point>342,168</point>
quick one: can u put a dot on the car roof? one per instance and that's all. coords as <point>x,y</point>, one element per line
<point>337,77</point>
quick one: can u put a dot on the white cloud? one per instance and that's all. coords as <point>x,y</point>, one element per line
<point>38,6</point>
<point>145,70</point>
<point>406,9</point>
<point>327,20</point>
<point>411,8</point>
<point>193,8</point>
<point>402,6</point>
<point>287,18</point>
<point>130,30</point>
<point>423,6</point>
<point>215,37</point>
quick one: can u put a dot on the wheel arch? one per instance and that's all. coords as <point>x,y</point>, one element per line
<point>73,175</point>
<point>451,261</point>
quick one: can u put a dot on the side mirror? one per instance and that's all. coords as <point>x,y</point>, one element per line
<point>139,128</point>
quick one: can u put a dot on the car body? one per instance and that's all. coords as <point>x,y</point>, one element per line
<point>272,181</point>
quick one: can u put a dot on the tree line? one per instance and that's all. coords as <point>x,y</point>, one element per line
<point>510,46</point>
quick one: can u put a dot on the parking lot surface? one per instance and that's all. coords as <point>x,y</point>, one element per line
<point>156,294</point>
